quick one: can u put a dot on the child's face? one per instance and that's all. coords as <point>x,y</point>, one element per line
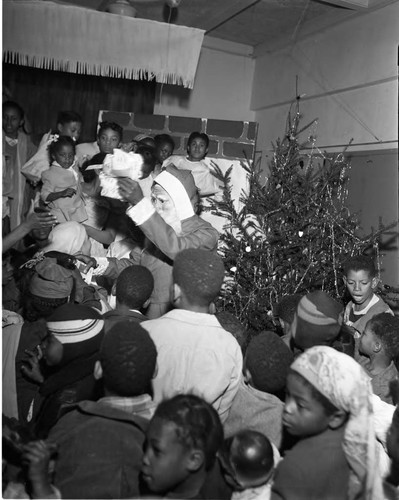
<point>11,122</point>
<point>163,151</point>
<point>164,467</point>
<point>108,140</point>
<point>52,350</point>
<point>303,415</point>
<point>367,341</point>
<point>197,149</point>
<point>71,129</point>
<point>65,156</point>
<point>360,285</point>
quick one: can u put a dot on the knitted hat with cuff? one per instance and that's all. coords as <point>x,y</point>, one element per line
<point>73,324</point>
<point>317,321</point>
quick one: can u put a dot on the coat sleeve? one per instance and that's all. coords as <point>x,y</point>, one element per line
<point>197,234</point>
<point>47,187</point>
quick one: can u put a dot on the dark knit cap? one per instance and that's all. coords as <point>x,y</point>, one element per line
<point>128,358</point>
<point>318,320</point>
<point>268,359</point>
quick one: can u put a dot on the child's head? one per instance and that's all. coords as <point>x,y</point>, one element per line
<point>62,150</point>
<point>164,147</point>
<point>183,438</point>
<point>317,321</point>
<point>197,146</point>
<point>74,331</point>
<point>286,309</point>
<point>109,137</point>
<point>13,118</point>
<point>360,278</point>
<point>266,363</point>
<point>198,276</point>
<point>230,323</point>
<point>306,412</point>
<point>69,123</point>
<point>247,460</point>
<point>149,158</point>
<point>381,337</point>
<point>133,287</point>
<point>328,390</point>
<point>127,360</point>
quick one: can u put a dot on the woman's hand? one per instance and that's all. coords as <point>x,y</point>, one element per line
<point>86,259</point>
<point>38,220</point>
<point>130,190</point>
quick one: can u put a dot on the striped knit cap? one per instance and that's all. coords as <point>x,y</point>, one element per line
<point>72,323</point>
<point>317,321</point>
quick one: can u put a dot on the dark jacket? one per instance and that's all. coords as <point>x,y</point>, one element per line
<point>99,452</point>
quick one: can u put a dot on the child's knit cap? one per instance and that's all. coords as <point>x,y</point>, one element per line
<point>318,320</point>
<point>51,280</point>
<point>268,360</point>
<point>72,324</point>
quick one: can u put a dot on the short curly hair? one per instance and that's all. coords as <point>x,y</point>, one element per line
<point>268,360</point>
<point>386,328</point>
<point>199,273</point>
<point>128,358</point>
<point>198,424</point>
<point>360,263</point>
<point>134,286</point>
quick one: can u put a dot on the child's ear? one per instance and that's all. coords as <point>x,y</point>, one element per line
<point>113,289</point>
<point>374,282</point>
<point>345,280</point>
<point>176,292</point>
<point>59,127</point>
<point>146,303</point>
<point>337,419</point>
<point>247,375</point>
<point>98,370</point>
<point>195,460</point>
<point>377,346</point>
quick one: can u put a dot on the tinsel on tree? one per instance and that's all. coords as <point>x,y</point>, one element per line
<point>294,230</point>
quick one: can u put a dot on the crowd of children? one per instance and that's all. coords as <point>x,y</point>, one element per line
<point>121,379</point>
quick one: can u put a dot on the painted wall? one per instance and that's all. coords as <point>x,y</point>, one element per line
<point>347,77</point>
<point>222,88</point>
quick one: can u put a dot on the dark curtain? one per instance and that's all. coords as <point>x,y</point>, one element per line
<point>43,93</point>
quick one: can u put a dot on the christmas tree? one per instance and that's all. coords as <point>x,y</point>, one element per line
<point>294,230</point>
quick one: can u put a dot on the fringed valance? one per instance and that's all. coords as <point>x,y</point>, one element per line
<point>57,36</point>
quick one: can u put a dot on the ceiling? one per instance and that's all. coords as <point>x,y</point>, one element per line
<point>260,24</point>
